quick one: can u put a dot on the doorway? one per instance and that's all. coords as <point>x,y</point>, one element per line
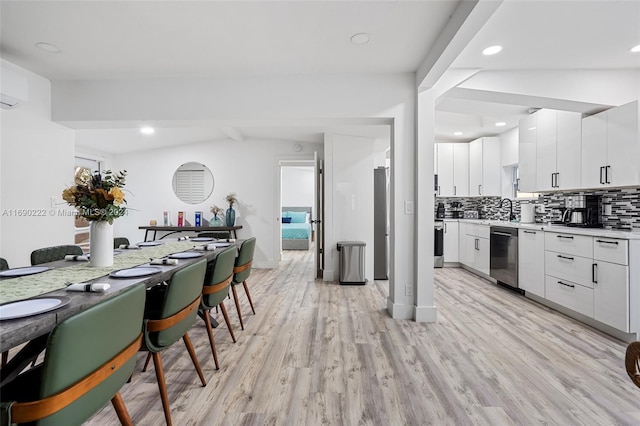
<point>300,211</point>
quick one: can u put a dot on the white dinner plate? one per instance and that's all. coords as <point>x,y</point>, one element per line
<point>141,271</point>
<point>201,239</point>
<point>185,255</point>
<point>149,243</point>
<point>34,306</point>
<point>18,272</point>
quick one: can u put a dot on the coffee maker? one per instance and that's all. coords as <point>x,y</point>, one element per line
<point>583,211</point>
<point>440,211</point>
<point>456,212</point>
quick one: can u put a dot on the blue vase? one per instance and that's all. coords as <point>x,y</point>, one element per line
<point>230,217</point>
<point>216,221</point>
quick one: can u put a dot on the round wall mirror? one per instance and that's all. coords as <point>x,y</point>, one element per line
<point>192,183</point>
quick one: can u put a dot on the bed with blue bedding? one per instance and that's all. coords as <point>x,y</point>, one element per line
<point>296,228</point>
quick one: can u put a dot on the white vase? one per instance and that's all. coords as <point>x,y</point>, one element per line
<point>101,243</point>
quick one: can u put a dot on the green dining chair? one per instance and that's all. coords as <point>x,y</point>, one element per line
<point>216,288</point>
<point>241,272</point>
<point>89,357</point>
<point>119,241</point>
<point>51,254</point>
<point>170,312</point>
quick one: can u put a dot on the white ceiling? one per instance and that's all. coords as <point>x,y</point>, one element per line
<point>125,39</point>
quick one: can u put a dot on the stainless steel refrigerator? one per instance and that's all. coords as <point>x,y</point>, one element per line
<point>381,223</point>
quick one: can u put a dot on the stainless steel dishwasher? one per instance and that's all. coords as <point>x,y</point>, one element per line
<point>503,264</point>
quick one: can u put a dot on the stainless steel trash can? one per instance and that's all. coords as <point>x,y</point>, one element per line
<point>351,260</point>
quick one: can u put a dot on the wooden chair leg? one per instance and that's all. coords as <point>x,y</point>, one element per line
<point>226,319</point>
<point>246,290</point>
<point>157,362</point>
<point>194,358</point>
<point>121,410</point>
<point>207,321</point>
<point>146,363</point>
<point>235,298</point>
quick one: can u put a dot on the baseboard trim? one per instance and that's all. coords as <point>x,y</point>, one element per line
<point>425,313</point>
<point>398,311</point>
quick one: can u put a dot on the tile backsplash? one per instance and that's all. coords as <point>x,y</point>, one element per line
<point>624,205</point>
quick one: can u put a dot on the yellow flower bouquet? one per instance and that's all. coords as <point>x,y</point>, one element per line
<point>98,196</point>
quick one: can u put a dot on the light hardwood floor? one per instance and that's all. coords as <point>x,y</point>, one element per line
<point>318,353</point>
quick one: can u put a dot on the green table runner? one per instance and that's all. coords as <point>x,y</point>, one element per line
<point>33,285</point>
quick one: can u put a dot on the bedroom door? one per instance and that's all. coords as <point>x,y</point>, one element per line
<point>318,221</point>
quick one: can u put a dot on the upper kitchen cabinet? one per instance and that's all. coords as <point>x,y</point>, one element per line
<point>484,167</point>
<point>558,146</point>
<point>527,137</point>
<point>611,148</point>
<point>453,169</point>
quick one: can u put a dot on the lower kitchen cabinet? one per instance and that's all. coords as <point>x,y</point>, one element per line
<point>611,294</point>
<point>531,261</point>
<point>451,236</point>
<point>475,252</point>
<point>571,295</point>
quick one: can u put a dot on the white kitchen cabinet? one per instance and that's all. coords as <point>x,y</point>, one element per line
<point>570,295</point>
<point>485,171</point>
<point>611,148</point>
<point>531,261</point>
<point>527,137</point>
<point>558,145</point>
<point>451,236</point>
<point>453,169</point>
<point>476,247</point>
<point>611,294</point>
<point>611,282</point>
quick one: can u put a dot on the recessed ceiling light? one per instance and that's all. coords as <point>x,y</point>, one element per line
<point>457,133</point>
<point>360,38</point>
<point>48,47</point>
<point>492,50</point>
<point>147,130</point>
<point>501,124</point>
<point>635,49</point>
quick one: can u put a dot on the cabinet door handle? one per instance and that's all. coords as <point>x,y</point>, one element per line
<point>479,190</point>
<point>594,273</point>
<point>455,190</point>
<point>564,236</point>
<point>565,257</point>
<point>557,179</point>
<point>552,176</point>
<point>607,242</point>
<point>568,285</point>
<point>529,232</point>
<point>445,227</point>
<point>518,184</point>
<point>477,244</point>
<point>606,174</point>
<point>438,189</point>
<point>601,175</point>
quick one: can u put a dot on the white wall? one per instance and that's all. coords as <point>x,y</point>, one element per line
<point>248,168</point>
<point>350,204</point>
<point>298,187</point>
<point>36,163</point>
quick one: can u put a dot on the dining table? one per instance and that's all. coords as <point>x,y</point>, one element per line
<point>53,281</point>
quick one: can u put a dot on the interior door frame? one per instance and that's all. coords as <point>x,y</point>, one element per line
<point>307,161</point>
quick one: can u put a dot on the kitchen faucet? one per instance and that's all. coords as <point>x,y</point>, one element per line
<point>511,215</point>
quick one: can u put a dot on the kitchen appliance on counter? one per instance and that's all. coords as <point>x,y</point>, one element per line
<point>503,261</point>
<point>527,213</point>
<point>440,211</point>
<point>456,210</point>
<point>583,211</point>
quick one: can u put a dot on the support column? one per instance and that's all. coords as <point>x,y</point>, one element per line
<point>424,308</point>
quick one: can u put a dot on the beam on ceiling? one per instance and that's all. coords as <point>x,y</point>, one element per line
<point>465,22</point>
<point>232,133</point>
